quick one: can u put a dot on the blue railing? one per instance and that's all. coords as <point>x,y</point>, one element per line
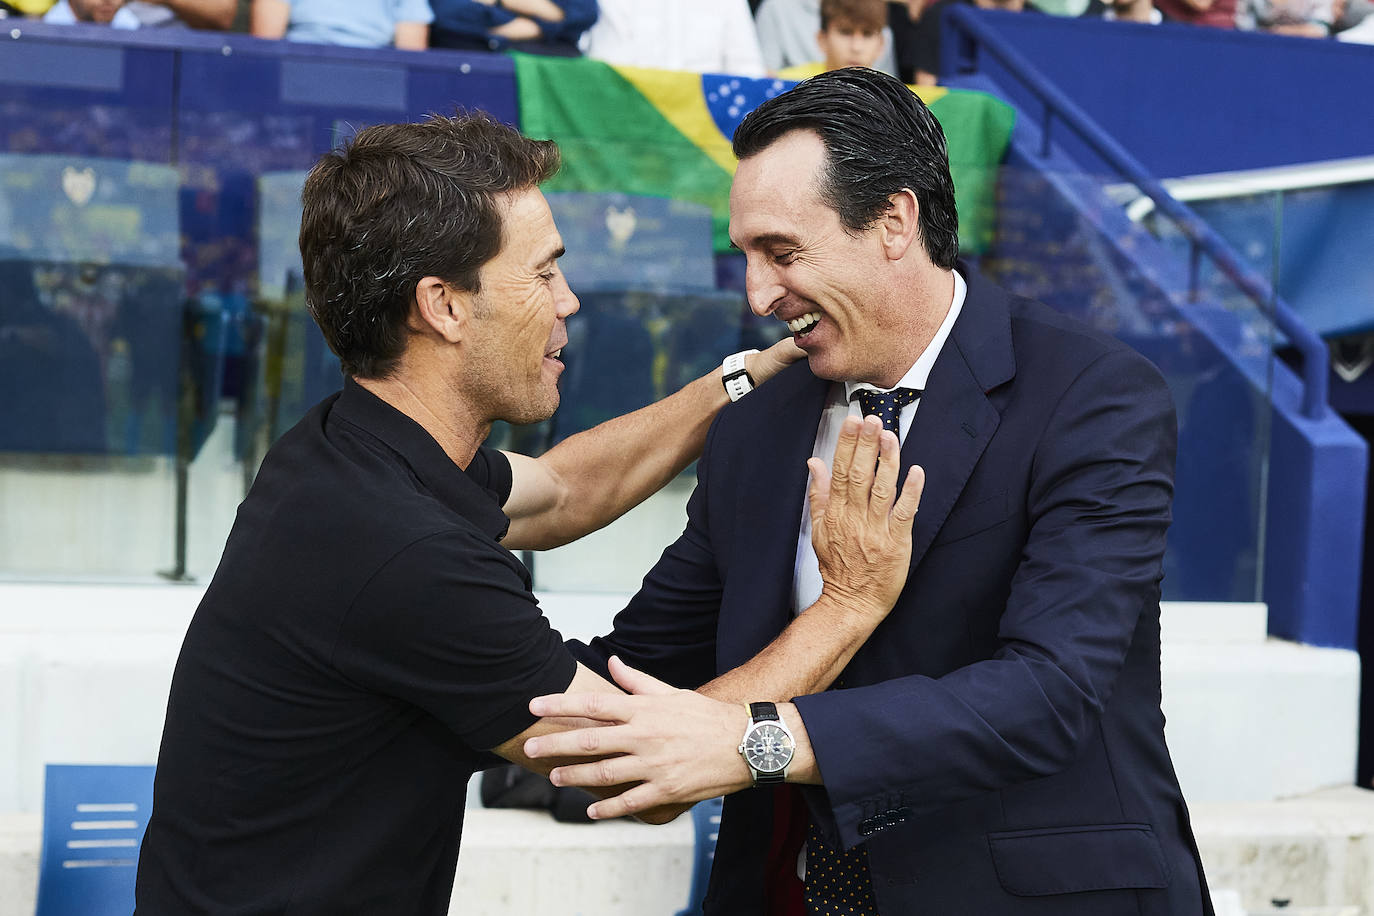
<point>962,23</point>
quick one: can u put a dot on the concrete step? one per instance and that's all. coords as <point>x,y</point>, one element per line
<point>1313,854</point>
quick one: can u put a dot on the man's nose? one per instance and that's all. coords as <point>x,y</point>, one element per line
<point>564,299</point>
<point>763,291</point>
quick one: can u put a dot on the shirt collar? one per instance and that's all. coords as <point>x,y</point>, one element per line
<point>449,483</point>
<point>919,372</point>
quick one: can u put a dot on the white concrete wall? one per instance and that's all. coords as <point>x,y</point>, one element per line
<point>85,669</point>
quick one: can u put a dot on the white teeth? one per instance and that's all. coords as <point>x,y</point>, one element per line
<point>557,353</point>
<point>797,325</point>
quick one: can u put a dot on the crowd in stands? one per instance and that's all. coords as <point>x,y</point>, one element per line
<point>791,39</point>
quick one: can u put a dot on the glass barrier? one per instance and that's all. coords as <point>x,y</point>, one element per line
<point>154,340</point>
<point>1092,246</point>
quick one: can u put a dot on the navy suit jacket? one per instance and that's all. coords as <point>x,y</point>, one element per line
<point>998,744</point>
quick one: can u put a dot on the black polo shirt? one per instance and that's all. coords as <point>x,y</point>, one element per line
<point>363,641</point>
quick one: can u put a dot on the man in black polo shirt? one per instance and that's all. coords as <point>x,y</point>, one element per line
<point>368,637</point>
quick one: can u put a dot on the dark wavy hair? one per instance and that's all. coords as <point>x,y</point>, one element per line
<point>879,138</point>
<point>400,202</point>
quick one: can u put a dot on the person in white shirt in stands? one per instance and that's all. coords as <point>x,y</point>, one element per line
<point>97,12</point>
<point>705,36</point>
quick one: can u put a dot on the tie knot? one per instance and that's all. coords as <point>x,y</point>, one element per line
<point>887,405</point>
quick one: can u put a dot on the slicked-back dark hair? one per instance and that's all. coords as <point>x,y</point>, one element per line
<point>879,138</point>
<point>400,202</point>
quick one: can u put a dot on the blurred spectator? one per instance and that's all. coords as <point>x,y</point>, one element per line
<point>903,18</point>
<point>788,36</point>
<point>1355,21</point>
<point>851,35</point>
<point>198,14</point>
<point>704,36</point>
<point>1124,11</point>
<point>1305,18</point>
<point>355,23</point>
<point>925,54</point>
<point>532,26</point>
<point>1218,14</point>
<point>99,12</point>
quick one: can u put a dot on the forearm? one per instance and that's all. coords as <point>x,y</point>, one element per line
<point>270,18</point>
<point>536,9</point>
<point>1300,29</point>
<point>411,36</point>
<point>621,462</point>
<point>203,14</point>
<point>805,658</point>
<point>521,28</point>
<point>592,478</point>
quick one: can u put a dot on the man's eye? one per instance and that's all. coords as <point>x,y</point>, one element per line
<point>547,276</point>
<point>784,257</point>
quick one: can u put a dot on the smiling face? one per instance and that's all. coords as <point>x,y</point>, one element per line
<point>518,329</point>
<point>834,290</point>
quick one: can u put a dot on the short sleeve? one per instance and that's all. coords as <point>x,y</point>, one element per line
<point>490,469</point>
<point>412,11</point>
<point>448,626</point>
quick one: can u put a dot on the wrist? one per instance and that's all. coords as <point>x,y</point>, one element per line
<point>852,605</point>
<point>735,375</point>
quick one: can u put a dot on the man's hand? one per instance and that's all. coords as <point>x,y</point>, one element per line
<point>861,534</point>
<point>682,746</point>
<point>767,363</point>
<point>679,746</point>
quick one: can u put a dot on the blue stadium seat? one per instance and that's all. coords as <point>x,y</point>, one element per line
<point>706,821</point>
<point>93,823</point>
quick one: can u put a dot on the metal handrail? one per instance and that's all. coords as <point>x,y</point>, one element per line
<point>1202,238</point>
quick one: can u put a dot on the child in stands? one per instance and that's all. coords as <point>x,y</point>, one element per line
<point>851,35</point>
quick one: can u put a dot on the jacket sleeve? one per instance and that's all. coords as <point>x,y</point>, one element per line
<point>1098,506</point>
<point>669,627</point>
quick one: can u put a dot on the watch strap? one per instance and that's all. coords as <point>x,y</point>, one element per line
<point>763,712</point>
<point>735,377</point>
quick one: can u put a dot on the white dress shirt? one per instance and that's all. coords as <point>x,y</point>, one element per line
<point>806,577</point>
<point>61,14</point>
<point>704,36</point>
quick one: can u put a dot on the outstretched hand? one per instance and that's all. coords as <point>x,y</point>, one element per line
<point>677,746</point>
<point>764,365</point>
<point>860,524</point>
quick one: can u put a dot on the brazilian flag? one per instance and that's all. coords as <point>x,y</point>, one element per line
<point>666,133</point>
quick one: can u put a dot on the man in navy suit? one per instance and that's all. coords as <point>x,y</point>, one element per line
<point>996,746</point>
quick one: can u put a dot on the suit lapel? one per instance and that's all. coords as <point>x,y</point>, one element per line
<point>955,420</point>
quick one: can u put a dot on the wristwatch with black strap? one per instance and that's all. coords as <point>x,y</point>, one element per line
<point>768,745</point>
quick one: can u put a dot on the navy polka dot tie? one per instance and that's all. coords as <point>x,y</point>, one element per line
<point>837,881</point>
<point>887,405</point>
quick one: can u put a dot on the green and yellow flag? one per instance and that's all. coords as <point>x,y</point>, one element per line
<point>666,133</point>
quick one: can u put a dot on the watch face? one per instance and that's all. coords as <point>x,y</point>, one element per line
<point>768,748</point>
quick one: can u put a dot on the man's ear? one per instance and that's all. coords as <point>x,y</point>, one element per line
<point>441,309</point>
<point>899,228</point>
